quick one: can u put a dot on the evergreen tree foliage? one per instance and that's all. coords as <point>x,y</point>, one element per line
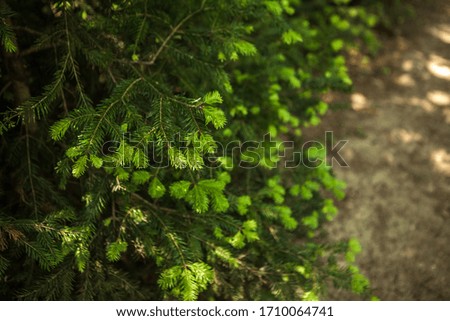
<point>114,181</point>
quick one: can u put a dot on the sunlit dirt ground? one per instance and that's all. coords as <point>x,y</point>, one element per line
<point>398,197</point>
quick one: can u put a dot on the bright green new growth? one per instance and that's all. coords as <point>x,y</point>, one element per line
<point>187,282</point>
<point>116,185</point>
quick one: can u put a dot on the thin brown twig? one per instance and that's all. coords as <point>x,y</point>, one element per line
<point>112,75</point>
<point>155,207</point>
<point>30,172</point>
<point>29,30</point>
<point>33,49</point>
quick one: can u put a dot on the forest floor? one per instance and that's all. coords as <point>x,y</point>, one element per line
<point>398,151</point>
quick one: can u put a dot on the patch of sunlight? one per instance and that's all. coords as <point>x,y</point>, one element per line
<point>409,252</point>
<point>439,67</point>
<point>441,161</point>
<point>405,80</point>
<point>441,32</point>
<point>359,101</point>
<point>439,97</point>
<point>348,154</point>
<point>408,65</point>
<point>422,103</point>
<point>406,136</point>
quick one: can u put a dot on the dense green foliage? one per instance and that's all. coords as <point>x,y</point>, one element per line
<point>114,182</point>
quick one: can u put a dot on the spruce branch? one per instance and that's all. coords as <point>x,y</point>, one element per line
<point>163,224</point>
<point>84,99</point>
<point>141,28</point>
<point>173,32</point>
<point>93,135</point>
<point>161,121</point>
<point>41,105</point>
<point>171,237</point>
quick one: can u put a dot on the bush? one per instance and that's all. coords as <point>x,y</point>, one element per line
<point>116,183</point>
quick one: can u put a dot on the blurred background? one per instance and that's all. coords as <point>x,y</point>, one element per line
<point>398,151</point>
